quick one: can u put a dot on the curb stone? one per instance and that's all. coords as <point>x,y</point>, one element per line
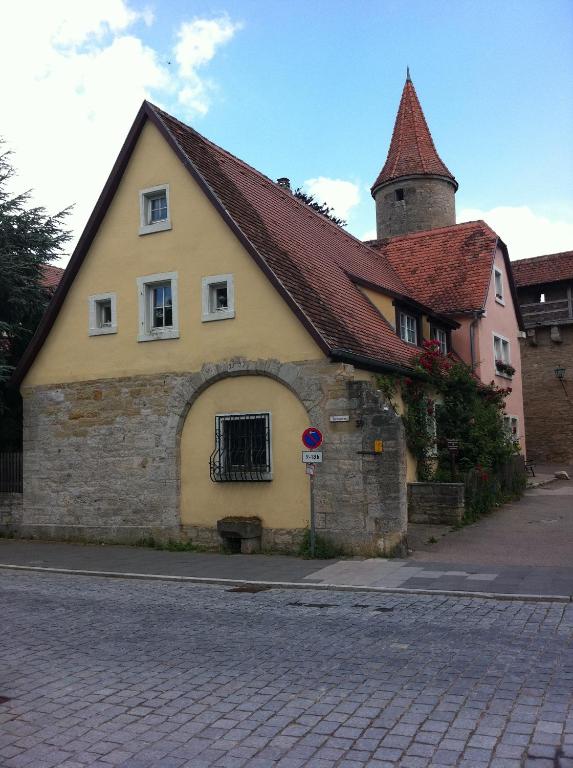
<point>293,584</point>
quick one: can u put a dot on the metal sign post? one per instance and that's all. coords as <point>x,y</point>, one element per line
<point>312,439</point>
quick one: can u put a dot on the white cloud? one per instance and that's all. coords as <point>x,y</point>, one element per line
<point>524,232</point>
<point>340,195</point>
<point>82,72</point>
<point>369,235</point>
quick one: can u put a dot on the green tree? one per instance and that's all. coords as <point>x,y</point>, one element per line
<point>322,208</point>
<point>29,240</point>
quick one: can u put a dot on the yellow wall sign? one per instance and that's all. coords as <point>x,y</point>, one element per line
<point>378,446</point>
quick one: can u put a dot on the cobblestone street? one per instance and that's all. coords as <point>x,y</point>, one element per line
<point>113,672</point>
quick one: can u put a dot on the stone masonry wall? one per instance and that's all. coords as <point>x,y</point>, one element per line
<point>436,503</point>
<point>548,403</point>
<point>101,458</point>
<point>427,204</point>
<point>10,512</point>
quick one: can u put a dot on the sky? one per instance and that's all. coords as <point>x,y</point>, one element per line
<point>307,89</point>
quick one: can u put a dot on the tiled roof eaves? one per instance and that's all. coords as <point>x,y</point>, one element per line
<point>541,270</point>
<point>404,299</point>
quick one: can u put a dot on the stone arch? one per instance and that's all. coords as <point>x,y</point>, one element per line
<point>283,503</point>
<point>299,379</point>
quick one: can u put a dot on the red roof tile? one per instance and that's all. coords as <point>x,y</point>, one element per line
<point>543,269</point>
<point>307,253</point>
<point>412,150</point>
<point>448,269</point>
<point>51,276</point>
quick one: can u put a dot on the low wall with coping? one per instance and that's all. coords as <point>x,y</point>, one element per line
<point>436,503</point>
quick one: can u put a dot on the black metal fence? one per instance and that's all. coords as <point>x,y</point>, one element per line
<point>10,473</point>
<point>484,488</point>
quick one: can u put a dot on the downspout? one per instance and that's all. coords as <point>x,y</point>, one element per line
<point>477,314</point>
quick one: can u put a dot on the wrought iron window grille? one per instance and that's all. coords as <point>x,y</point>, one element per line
<point>242,448</point>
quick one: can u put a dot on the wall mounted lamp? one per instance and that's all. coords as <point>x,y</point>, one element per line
<point>560,373</point>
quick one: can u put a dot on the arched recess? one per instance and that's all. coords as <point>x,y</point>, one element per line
<point>281,503</point>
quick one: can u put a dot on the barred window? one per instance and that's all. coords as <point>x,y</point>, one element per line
<point>242,448</point>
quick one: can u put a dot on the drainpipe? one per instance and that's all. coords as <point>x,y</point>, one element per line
<point>476,316</point>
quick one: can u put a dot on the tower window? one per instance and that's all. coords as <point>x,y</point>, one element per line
<point>399,194</point>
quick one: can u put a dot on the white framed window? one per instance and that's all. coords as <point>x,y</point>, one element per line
<point>217,298</point>
<point>498,285</point>
<point>158,307</point>
<point>102,314</point>
<point>441,336</point>
<point>408,325</point>
<point>155,213</point>
<point>511,426</point>
<point>502,356</point>
<point>243,448</point>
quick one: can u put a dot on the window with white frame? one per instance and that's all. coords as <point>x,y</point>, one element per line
<point>242,448</point>
<point>154,209</point>
<point>441,336</point>
<point>102,314</point>
<point>218,298</point>
<point>511,426</point>
<point>502,358</point>
<point>158,307</point>
<point>408,326</point>
<point>498,285</point>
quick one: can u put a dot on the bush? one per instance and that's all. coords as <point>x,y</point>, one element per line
<point>324,549</point>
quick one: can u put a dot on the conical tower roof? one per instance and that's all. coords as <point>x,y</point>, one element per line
<point>412,151</point>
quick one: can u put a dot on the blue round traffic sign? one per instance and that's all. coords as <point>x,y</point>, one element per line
<point>312,438</point>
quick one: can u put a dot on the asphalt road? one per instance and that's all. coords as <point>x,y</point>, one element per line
<point>111,672</point>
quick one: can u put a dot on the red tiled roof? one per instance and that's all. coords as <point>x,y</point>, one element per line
<point>448,269</point>
<point>543,269</point>
<point>51,276</point>
<point>307,253</point>
<point>412,150</point>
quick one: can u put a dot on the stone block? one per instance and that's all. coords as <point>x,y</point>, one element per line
<point>436,503</point>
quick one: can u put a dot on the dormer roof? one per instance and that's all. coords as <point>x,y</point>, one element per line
<point>412,151</point>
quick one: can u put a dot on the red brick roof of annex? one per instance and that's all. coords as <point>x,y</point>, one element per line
<point>539,270</point>
<point>51,276</point>
<point>412,151</point>
<point>448,268</point>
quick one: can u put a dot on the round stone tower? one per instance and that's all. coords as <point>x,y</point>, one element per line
<point>414,190</point>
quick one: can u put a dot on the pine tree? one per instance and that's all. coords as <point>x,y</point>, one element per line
<point>322,208</point>
<point>29,240</point>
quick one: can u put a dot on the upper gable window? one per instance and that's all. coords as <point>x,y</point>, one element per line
<point>218,298</point>
<point>498,283</point>
<point>102,314</point>
<point>155,215</point>
<point>158,307</point>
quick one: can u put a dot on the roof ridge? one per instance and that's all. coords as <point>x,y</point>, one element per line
<point>434,231</point>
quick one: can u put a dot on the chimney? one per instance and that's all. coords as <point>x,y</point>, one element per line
<point>284,183</point>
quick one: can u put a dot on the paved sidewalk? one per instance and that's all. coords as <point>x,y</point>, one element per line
<point>374,573</point>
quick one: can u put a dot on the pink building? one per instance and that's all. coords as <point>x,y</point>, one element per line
<point>462,271</point>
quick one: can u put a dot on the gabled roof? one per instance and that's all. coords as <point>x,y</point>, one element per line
<point>412,151</point>
<point>304,255</point>
<point>448,268</point>
<point>51,276</point>
<point>543,269</point>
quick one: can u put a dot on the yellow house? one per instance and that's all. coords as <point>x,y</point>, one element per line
<point>206,319</point>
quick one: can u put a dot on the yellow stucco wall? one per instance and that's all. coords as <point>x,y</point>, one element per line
<point>198,245</point>
<point>384,304</point>
<point>281,503</point>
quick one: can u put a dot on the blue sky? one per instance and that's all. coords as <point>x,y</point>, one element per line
<point>307,90</point>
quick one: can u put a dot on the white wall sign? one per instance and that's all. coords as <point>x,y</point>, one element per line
<point>312,457</point>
